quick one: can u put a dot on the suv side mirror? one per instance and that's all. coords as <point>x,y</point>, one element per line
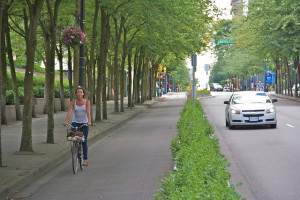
<point>274,100</point>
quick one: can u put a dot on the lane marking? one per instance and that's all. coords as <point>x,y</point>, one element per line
<point>290,125</point>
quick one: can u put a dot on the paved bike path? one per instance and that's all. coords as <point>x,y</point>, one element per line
<point>20,169</point>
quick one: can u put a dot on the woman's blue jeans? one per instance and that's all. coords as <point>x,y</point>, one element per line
<point>85,130</point>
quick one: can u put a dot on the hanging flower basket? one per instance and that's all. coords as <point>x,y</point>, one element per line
<point>73,36</point>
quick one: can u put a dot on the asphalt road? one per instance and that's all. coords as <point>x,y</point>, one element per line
<point>265,160</point>
<point>127,164</point>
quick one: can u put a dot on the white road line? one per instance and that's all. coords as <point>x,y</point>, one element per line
<point>290,125</point>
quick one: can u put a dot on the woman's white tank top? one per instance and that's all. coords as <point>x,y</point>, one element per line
<point>80,115</point>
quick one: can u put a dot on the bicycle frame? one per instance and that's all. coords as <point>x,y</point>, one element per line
<point>76,138</point>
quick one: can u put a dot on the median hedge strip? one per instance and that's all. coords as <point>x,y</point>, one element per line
<point>202,170</point>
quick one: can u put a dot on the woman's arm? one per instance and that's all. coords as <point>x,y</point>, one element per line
<point>88,112</point>
<point>69,112</point>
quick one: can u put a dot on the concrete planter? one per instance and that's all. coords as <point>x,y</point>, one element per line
<point>11,111</point>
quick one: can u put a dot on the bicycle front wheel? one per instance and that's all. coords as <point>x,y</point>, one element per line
<point>80,156</point>
<point>75,157</point>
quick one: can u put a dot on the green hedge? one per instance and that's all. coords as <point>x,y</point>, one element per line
<point>39,81</point>
<point>38,92</point>
<point>38,88</point>
<point>202,170</point>
<point>201,92</point>
<point>10,96</point>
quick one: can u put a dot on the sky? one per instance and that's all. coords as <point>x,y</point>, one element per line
<point>208,57</point>
<point>224,4</point>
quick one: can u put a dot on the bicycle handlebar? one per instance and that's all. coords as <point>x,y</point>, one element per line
<point>76,128</point>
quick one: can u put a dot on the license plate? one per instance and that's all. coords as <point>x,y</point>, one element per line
<point>253,119</point>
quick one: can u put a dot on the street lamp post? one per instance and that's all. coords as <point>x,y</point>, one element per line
<point>82,50</point>
<point>194,64</point>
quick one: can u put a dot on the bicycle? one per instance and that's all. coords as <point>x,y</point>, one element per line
<point>76,138</point>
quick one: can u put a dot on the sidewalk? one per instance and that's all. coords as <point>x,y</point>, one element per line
<point>20,169</point>
<point>296,99</point>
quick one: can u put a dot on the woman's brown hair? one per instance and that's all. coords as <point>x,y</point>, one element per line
<point>82,90</point>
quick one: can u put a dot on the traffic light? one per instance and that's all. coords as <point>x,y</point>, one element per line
<point>165,70</point>
<point>207,39</point>
<point>190,86</point>
<point>160,68</point>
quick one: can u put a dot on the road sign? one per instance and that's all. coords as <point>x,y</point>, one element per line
<point>225,41</point>
<point>206,67</point>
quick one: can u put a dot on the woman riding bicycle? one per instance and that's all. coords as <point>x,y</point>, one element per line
<point>82,115</point>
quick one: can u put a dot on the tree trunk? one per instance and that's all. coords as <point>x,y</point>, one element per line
<point>1,12</point>
<point>129,87</point>
<point>143,84</point>
<point>154,74</point>
<point>100,62</point>
<point>103,65</point>
<point>109,81</point>
<point>47,54</point>
<point>123,69</point>
<point>13,76</point>
<point>70,77</point>
<point>288,76</point>
<point>92,57</point>
<point>281,76</point>
<point>298,72</point>
<point>3,85</point>
<point>285,81</point>
<point>94,78</point>
<point>31,42</point>
<point>145,80</point>
<point>51,70</point>
<point>277,76</point>
<point>61,77</point>
<point>135,78</point>
<point>98,92</point>
<point>118,32</point>
<point>140,63</point>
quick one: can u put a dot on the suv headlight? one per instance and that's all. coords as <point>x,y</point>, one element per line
<point>234,111</point>
<point>271,110</point>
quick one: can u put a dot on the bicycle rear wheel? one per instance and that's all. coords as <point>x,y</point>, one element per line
<point>75,157</point>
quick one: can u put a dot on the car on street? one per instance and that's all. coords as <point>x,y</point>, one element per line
<point>226,89</point>
<point>298,88</point>
<point>250,108</point>
<point>216,87</point>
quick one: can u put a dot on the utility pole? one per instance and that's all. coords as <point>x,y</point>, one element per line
<point>82,52</point>
<point>265,84</point>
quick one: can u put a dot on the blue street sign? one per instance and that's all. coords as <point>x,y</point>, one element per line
<point>225,41</point>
